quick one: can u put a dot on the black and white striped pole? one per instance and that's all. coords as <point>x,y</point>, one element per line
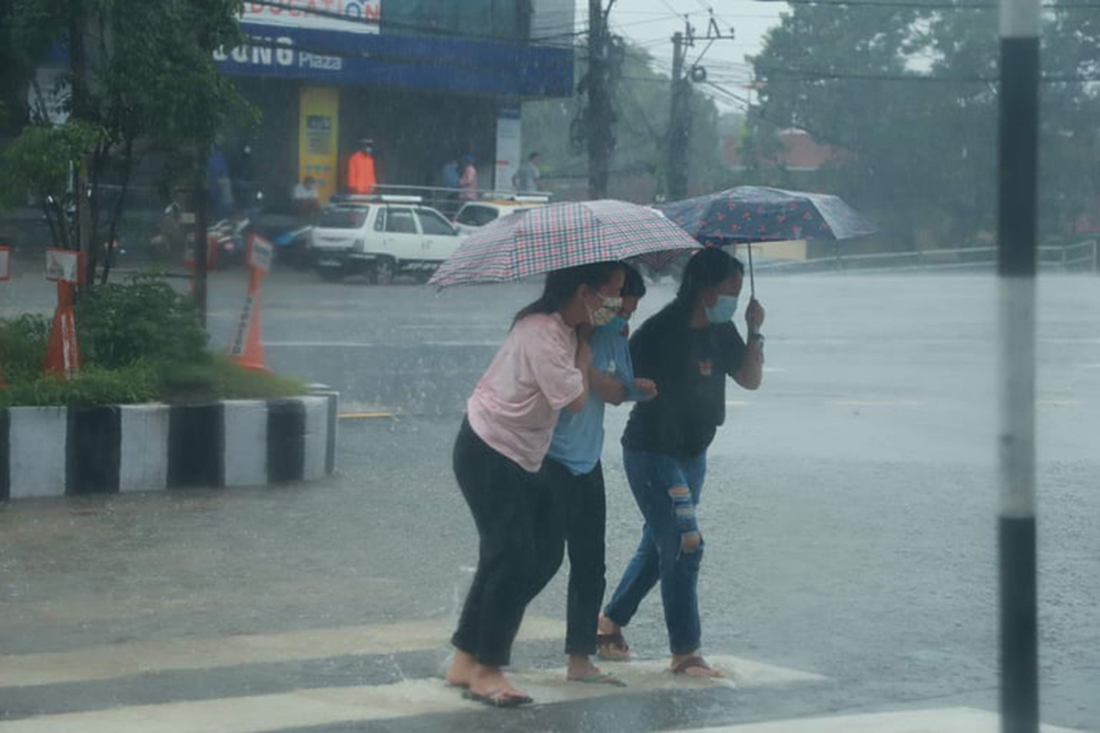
<point>1017,214</point>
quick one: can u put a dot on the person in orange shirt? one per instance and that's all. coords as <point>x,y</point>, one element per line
<point>361,177</point>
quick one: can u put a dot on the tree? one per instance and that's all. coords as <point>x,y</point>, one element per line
<point>640,102</point>
<point>139,75</point>
<point>911,93</point>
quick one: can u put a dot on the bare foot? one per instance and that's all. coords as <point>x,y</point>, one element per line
<point>462,669</point>
<point>580,667</point>
<point>692,665</point>
<point>606,626</point>
<point>490,682</point>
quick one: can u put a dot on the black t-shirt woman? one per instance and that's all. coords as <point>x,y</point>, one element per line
<point>688,349</point>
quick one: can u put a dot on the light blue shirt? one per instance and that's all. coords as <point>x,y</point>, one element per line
<point>578,438</point>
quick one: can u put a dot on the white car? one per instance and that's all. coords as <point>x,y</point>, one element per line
<point>475,214</point>
<point>381,237</point>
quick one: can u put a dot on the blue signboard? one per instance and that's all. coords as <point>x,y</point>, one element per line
<point>436,64</point>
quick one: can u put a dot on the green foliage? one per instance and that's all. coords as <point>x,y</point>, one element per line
<point>140,341</point>
<point>640,100</point>
<point>23,346</point>
<point>144,320</point>
<point>39,160</point>
<point>218,378</point>
<point>139,70</point>
<point>91,387</point>
<point>911,93</point>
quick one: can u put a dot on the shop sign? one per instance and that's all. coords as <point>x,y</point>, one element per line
<point>324,15</point>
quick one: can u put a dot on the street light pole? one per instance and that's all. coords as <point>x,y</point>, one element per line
<point>1017,228</point>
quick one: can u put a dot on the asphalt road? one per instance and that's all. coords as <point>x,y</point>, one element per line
<point>849,513</point>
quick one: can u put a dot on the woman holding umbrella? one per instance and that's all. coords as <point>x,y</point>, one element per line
<point>541,369</point>
<point>688,349</point>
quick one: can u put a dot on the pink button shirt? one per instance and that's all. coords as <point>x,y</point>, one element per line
<point>515,406</point>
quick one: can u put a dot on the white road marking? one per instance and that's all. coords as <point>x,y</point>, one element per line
<point>324,706</point>
<point>877,403</point>
<point>942,720</point>
<point>123,660</point>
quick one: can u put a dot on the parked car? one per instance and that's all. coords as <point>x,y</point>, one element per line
<point>475,214</point>
<point>381,237</point>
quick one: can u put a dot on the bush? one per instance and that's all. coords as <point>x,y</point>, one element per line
<point>140,342</point>
<point>143,320</point>
<point>91,387</point>
<point>23,347</point>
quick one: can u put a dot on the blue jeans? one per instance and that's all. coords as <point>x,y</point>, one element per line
<point>658,483</point>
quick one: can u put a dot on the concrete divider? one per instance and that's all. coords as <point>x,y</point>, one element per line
<point>57,451</point>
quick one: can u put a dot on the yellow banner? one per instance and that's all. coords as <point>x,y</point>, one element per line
<point>318,128</point>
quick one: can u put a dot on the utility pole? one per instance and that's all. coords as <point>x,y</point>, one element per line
<point>679,119</point>
<point>600,117</point>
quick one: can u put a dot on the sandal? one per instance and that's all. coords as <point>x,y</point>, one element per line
<point>612,647</point>
<point>599,678</point>
<point>696,662</point>
<point>498,698</point>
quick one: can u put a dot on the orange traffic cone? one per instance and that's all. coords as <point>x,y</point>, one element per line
<point>62,351</point>
<point>248,346</point>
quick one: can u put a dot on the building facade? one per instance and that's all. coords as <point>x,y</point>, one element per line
<point>428,80</point>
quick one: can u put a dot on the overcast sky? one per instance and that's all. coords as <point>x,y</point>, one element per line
<point>651,23</point>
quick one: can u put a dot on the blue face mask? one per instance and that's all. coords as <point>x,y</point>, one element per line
<point>616,324</point>
<point>723,310</point>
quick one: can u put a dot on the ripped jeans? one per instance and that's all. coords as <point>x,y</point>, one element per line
<point>667,492</point>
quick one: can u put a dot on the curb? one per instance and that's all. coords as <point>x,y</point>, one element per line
<point>67,451</point>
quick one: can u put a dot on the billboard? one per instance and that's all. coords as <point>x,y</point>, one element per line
<point>347,16</point>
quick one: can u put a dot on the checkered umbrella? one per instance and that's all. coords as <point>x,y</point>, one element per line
<point>561,235</point>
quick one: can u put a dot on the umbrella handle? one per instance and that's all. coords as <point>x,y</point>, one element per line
<point>752,284</point>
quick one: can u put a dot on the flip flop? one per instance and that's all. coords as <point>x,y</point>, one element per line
<point>599,678</point>
<point>696,663</point>
<point>612,647</point>
<point>498,698</point>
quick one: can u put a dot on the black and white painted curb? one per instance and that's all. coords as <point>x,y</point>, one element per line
<point>57,451</point>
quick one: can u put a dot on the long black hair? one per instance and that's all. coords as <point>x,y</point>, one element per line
<point>706,268</point>
<point>633,285</point>
<point>561,286</point>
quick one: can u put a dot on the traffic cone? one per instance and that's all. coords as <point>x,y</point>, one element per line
<point>62,351</point>
<point>248,345</point>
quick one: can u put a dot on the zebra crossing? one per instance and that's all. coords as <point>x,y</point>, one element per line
<point>189,689</point>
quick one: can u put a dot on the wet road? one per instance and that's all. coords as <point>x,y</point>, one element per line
<point>849,515</point>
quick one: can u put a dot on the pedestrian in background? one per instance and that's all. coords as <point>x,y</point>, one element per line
<point>541,369</point>
<point>688,349</point>
<point>452,179</point>
<point>526,179</point>
<point>468,182</point>
<point>361,174</point>
<point>573,466</point>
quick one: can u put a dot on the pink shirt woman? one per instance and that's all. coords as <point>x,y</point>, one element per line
<point>541,369</point>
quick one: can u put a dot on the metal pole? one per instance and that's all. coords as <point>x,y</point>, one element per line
<point>201,247</point>
<point>677,144</point>
<point>600,141</point>
<point>1017,204</point>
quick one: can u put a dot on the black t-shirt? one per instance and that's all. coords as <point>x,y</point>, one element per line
<point>690,366</point>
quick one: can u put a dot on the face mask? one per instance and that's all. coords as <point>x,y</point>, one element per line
<point>723,310</point>
<point>616,324</point>
<point>603,315</point>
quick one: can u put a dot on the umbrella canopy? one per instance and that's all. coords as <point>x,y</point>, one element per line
<point>760,214</point>
<point>557,236</point>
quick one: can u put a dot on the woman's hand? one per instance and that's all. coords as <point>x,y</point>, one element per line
<point>754,316</point>
<point>647,388</point>
<point>584,354</point>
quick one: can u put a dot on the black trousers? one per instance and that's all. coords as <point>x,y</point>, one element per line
<point>585,510</point>
<point>521,531</point>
